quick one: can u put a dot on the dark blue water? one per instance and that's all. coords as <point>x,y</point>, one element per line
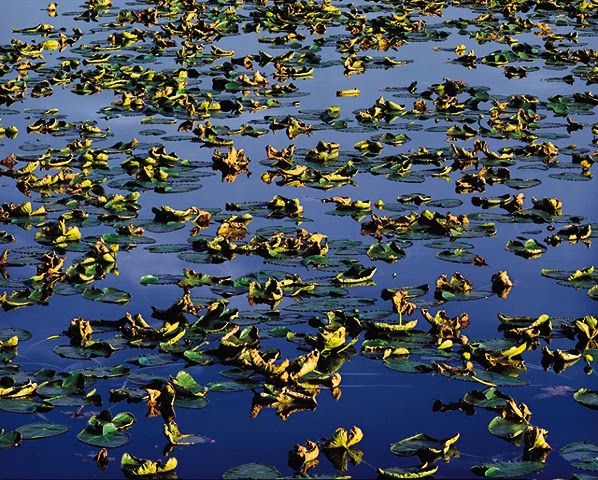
<point>388,406</point>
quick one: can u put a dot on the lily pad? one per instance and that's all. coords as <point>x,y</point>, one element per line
<point>588,398</point>
<point>507,469</point>
<point>325,304</point>
<point>251,471</point>
<point>521,184</point>
<point>427,448</point>
<point>171,431</point>
<point>17,405</point>
<point>105,431</point>
<point>419,471</point>
<point>10,439</point>
<point>407,366</point>
<point>34,431</point>
<point>137,467</point>
<point>581,454</point>
<point>107,295</point>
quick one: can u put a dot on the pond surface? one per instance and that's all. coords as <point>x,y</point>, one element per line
<point>262,222</point>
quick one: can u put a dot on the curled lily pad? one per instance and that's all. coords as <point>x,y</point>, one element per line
<point>137,467</point>
<point>104,430</point>
<point>389,252</point>
<point>581,278</point>
<point>507,429</point>
<point>340,450</point>
<point>491,398</point>
<point>526,248</point>
<point>427,448</point>
<point>356,274</point>
<point>175,437</point>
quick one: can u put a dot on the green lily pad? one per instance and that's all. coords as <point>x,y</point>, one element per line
<point>489,398</point>
<point>456,255</point>
<point>507,469</point>
<point>325,304</point>
<point>588,398</point>
<point>521,184</point>
<point>570,177</point>
<point>34,431</point>
<point>581,455</point>
<point>107,431</point>
<point>127,239</point>
<point>463,296</point>
<point>506,429</point>
<point>10,439</point>
<point>490,378</point>
<point>442,245</point>
<point>103,371</point>
<point>107,295</point>
<point>153,359</point>
<point>17,405</point>
<point>251,471</point>
<point>233,386</point>
<point>22,335</point>
<point>407,366</point>
<point>389,252</point>
<point>419,471</point>
<point>526,248</point>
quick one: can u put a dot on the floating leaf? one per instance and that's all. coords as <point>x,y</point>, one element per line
<point>427,448</point>
<point>107,432</point>
<point>588,398</point>
<point>356,274</point>
<point>581,455</point>
<point>10,439</point>
<point>107,295</point>
<point>171,431</point>
<point>251,471</point>
<point>520,183</point>
<point>507,469</point>
<point>507,429</point>
<point>324,304</point>
<point>457,255</point>
<point>526,248</point>
<point>137,467</point>
<point>34,431</point>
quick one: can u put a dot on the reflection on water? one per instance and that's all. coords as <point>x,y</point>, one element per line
<point>387,405</point>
